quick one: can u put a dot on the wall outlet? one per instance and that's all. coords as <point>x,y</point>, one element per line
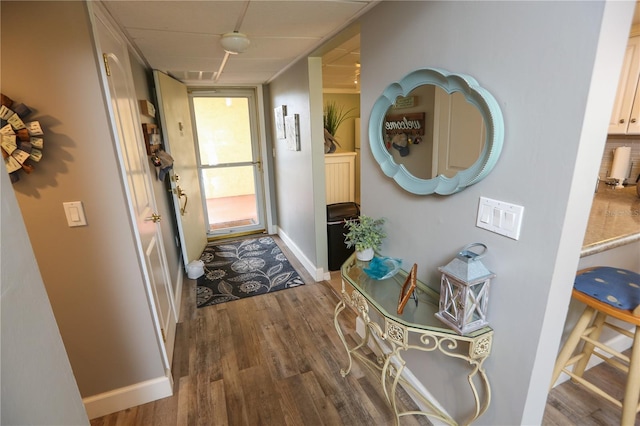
<point>500,217</point>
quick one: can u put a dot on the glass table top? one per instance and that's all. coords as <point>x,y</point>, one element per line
<point>384,295</point>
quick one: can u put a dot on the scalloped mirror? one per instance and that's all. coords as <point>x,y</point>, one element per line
<point>436,132</point>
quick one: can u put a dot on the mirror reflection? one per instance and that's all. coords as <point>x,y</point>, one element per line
<point>436,132</point>
<point>431,132</point>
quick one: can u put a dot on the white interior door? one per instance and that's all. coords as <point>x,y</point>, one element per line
<point>175,118</point>
<point>461,134</point>
<point>130,144</point>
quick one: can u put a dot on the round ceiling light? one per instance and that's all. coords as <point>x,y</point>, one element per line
<point>234,42</point>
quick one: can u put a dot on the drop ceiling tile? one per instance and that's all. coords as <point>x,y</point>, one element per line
<point>298,18</point>
<point>206,17</point>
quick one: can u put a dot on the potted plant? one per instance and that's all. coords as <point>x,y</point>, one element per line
<point>366,234</point>
<point>333,117</point>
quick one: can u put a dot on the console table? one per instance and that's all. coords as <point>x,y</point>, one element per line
<point>417,322</point>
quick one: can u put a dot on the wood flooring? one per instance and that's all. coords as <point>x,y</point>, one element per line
<point>571,404</point>
<point>273,359</point>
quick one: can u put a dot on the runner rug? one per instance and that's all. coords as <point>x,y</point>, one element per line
<point>245,268</point>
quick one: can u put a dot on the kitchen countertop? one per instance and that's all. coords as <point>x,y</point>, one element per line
<point>614,219</point>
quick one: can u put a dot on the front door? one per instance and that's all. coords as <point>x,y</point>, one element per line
<point>132,153</point>
<point>175,117</point>
<point>229,160</point>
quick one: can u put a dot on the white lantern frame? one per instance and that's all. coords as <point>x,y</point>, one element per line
<point>464,292</point>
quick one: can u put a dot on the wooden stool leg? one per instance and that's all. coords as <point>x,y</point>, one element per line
<point>587,349</point>
<point>571,343</point>
<point>632,391</point>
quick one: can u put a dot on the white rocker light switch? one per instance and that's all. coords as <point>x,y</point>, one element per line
<point>75,213</point>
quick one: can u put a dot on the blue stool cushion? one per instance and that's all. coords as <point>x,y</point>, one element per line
<point>617,287</point>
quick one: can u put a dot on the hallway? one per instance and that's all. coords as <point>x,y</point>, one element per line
<point>273,359</point>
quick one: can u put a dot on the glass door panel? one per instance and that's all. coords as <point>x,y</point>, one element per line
<point>229,161</point>
<point>231,197</point>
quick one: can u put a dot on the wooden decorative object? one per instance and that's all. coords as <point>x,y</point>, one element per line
<point>151,137</point>
<point>412,123</point>
<point>147,108</point>
<point>407,289</point>
<point>21,142</point>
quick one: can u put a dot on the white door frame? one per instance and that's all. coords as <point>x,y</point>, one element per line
<point>165,338</point>
<point>259,175</point>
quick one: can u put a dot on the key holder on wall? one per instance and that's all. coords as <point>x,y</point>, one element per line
<point>151,138</point>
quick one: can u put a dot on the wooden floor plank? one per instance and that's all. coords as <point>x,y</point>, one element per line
<point>322,403</point>
<point>186,403</point>
<point>260,393</point>
<point>298,401</point>
<point>218,404</point>
<point>243,332</point>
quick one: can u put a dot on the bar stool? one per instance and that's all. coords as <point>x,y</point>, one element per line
<point>607,292</point>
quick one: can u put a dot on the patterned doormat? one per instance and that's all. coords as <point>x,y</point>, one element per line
<point>245,268</point>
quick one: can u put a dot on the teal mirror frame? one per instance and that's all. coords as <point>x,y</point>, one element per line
<point>450,82</point>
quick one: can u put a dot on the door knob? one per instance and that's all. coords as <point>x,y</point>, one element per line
<point>155,218</point>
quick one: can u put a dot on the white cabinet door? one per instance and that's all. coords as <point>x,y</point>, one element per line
<point>634,118</point>
<point>624,117</point>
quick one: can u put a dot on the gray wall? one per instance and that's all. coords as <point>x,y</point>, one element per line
<point>554,74</point>
<point>299,175</point>
<point>537,59</point>
<point>91,273</point>
<point>38,387</point>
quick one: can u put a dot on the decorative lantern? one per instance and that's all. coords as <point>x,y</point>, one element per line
<point>464,291</point>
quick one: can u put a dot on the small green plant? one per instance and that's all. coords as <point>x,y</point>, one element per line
<point>364,232</point>
<point>334,116</point>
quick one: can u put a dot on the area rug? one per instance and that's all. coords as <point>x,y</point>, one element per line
<point>245,268</point>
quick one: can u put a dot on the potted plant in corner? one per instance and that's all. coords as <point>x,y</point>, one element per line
<point>366,234</point>
<point>333,118</point>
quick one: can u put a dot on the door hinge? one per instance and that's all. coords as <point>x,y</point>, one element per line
<point>164,338</point>
<point>105,58</point>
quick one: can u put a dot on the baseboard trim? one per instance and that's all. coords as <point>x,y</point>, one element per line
<point>127,397</point>
<point>317,273</point>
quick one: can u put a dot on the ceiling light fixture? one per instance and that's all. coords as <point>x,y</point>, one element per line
<point>234,42</point>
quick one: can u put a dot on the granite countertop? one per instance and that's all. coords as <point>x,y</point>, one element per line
<point>614,219</point>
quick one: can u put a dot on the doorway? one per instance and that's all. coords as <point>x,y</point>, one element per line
<point>228,161</point>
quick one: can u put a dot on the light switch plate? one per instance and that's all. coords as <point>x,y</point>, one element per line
<point>500,217</point>
<point>75,213</point>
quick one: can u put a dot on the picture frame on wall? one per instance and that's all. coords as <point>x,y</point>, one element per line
<point>280,113</point>
<point>293,132</point>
